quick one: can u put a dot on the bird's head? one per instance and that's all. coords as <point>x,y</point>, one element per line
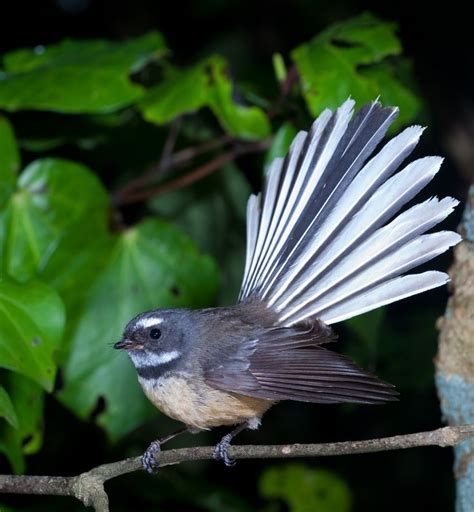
<point>155,340</point>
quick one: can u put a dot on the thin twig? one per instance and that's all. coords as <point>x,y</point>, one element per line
<point>131,192</point>
<point>89,487</point>
<point>170,142</point>
<point>285,87</point>
<point>173,161</point>
<point>196,174</point>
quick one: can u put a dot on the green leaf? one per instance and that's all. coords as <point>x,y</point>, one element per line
<point>9,159</point>
<point>7,410</point>
<point>182,91</point>
<point>51,196</point>
<point>305,489</point>
<point>149,266</point>
<point>32,321</point>
<point>367,326</point>
<point>205,84</point>
<point>367,329</point>
<point>77,76</point>
<point>27,398</point>
<point>212,212</point>
<point>348,59</point>
<point>279,67</point>
<point>394,92</point>
<point>244,122</point>
<point>280,143</point>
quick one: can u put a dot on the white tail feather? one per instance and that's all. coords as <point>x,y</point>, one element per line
<point>369,178</point>
<point>385,240</point>
<point>391,291</point>
<point>318,239</point>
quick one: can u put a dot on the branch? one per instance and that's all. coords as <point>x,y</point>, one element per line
<point>131,192</point>
<point>170,162</point>
<point>135,196</point>
<point>89,487</point>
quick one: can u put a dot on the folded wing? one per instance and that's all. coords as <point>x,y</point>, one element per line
<point>288,363</point>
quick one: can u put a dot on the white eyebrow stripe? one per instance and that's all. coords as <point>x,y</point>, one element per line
<point>147,359</point>
<point>149,321</point>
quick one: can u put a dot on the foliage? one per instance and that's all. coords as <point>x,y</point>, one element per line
<point>77,263</point>
<point>356,49</point>
<point>206,84</point>
<point>77,76</point>
<point>306,490</point>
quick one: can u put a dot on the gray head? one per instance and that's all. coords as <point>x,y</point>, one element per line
<point>156,341</point>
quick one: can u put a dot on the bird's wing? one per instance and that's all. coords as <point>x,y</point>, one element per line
<point>324,239</point>
<point>288,363</point>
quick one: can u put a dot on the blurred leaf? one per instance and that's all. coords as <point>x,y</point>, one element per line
<point>279,67</point>
<point>205,84</point>
<point>51,196</point>
<point>77,76</point>
<point>192,489</point>
<point>212,211</point>
<point>182,91</point>
<point>365,347</point>
<point>27,399</point>
<point>347,59</point>
<point>305,489</point>
<point>394,92</point>
<point>9,159</point>
<point>244,122</point>
<point>280,143</point>
<point>72,269</point>
<point>149,266</point>
<point>31,326</point>
<point>367,326</point>
<point>6,408</point>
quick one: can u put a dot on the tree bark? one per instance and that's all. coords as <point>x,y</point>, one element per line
<point>455,359</point>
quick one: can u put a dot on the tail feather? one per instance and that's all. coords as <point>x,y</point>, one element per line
<point>318,242</point>
<point>391,291</point>
<point>358,193</point>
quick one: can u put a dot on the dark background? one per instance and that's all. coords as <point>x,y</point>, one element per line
<point>439,40</point>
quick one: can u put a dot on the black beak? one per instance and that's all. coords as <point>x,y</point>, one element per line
<point>122,344</point>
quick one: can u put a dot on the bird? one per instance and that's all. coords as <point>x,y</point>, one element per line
<point>327,239</point>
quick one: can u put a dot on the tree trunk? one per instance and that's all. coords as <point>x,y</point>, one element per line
<point>455,360</point>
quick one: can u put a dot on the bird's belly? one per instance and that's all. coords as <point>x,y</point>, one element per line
<point>198,405</point>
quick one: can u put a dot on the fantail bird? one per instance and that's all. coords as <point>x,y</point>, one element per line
<point>324,244</point>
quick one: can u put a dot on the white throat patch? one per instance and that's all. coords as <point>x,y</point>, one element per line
<point>144,359</point>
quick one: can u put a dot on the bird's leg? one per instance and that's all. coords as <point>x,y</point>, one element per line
<point>148,458</point>
<point>222,447</point>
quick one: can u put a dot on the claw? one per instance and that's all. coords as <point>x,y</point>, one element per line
<point>148,458</point>
<point>221,451</point>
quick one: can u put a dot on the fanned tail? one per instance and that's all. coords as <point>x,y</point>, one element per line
<point>324,239</point>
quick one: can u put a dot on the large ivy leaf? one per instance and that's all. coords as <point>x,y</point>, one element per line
<point>51,196</point>
<point>212,211</point>
<point>347,59</point>
<point>305,489</point>
<point>148,266</point>
<point>205,84</point>
<point>32,321</point>
<point>15,442</point>
<point>77,76</point>
<point>9,159</point>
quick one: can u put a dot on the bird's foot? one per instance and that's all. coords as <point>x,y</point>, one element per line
<point>148,458</point>
<point>221,451</point>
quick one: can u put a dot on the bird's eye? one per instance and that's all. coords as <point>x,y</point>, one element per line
<point>155,333</point>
